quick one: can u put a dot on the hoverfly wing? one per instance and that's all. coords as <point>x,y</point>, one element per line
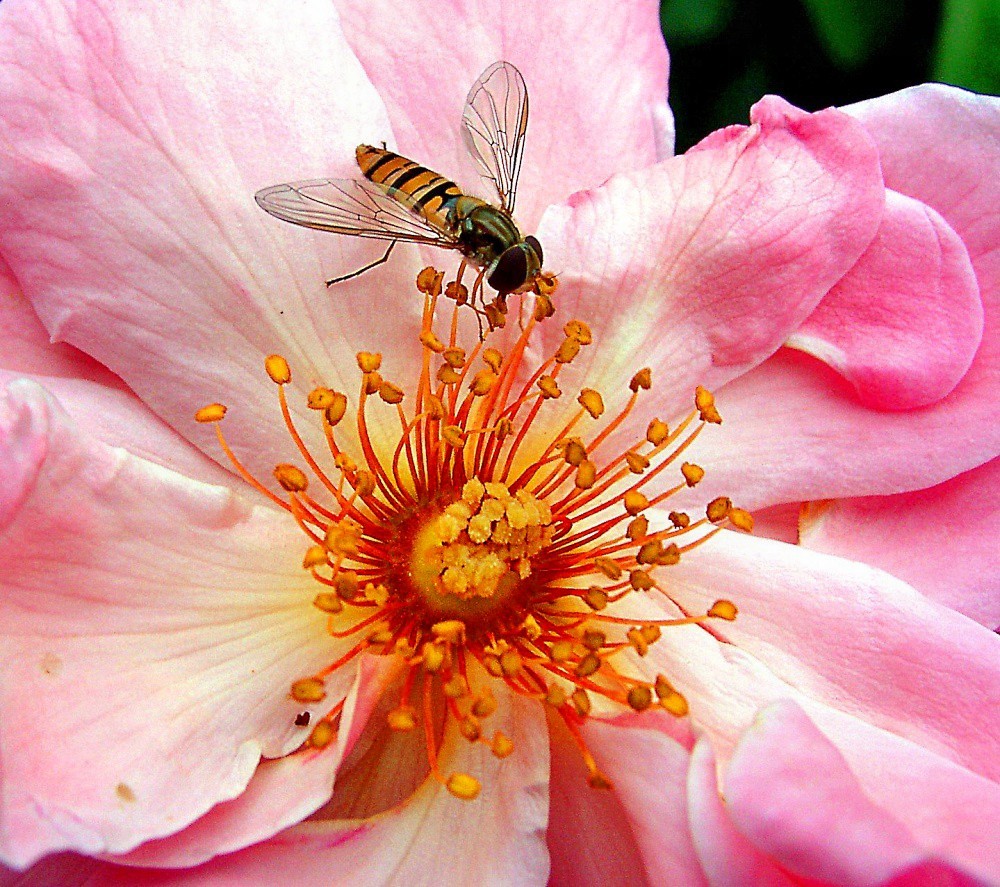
<point>356,207</point>
<point>494,122</point>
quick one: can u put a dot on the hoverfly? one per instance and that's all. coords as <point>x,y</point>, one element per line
<point>401,201</point>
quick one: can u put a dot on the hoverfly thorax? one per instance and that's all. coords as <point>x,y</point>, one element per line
<point>399,200</point>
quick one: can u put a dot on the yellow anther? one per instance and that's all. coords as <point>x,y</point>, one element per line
<point>560,651</point>
<point>679,519</point>
<point>381,635</point>
<point>502,746</point>
<point>640,697</point>
<point>651,633</point>
<point>705,404</point>
<point>609,567</point>
<point>454,357</point>
<point>390,393</point>
<point>510,662</point>
<point>592,402</point>
<point>322,735</point>
<point>578,330</point>
<point>308,690</point>
<point>447,375</point>
<point>450,630</point>
<point>640,580</point>
<point>484,705</point>
<point>328,602</point>
<point>593,639</point>
<point>364,482</point>
<point>335,412</point>
<point>596,597</point>
<point>482,383</point>
<point>377,593</point>
<point>675,703</point>
<point>642,379</point>
<point>434,407</point>
<point>314,556</point>
<point>431,341</point>
<point>320,399</point>
<point>663,687</point>
<point>741,519</point>
<point>433,657</point>
<point>345,463</point>
<point>369,362</point>
<point>292,479</point>
<point>493,359</point>
<point>555,696</point>
<point>532,630</point>
<point>586,475</point>
<point>581,702</point>
<point>473,491</point>
<point>452,435</point>
<point>495,316</point>
<point>638,642</point>
<point>549,387</point>
<point>459,292</point>
<point>456,686</point>
<point>402,719</point>
<point>492,665</point>
<point>588,665</point>
<point>214,412</point>
<point>692,473</point>
<point>574,452</point>
<point>277,368</point>
<point>346,585</point>
<point>718,509</point>
<point>635,502</point>
<point>637,463</point>
<point>657,432</point>
<point>470,729</point>
<point>403,649</point>
<point>342,538</point>
<point>669,556</point>
<point>463,786</point>
<point>649,552</point>
<point>543,304</point>
<point>429,281</point>
<point>723,610</point>
<point>569,349</point>
<point>372,381</point>
<point>638,527</point>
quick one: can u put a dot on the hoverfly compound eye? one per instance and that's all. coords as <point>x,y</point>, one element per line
<point>537,247</point>
<point>511,270</point>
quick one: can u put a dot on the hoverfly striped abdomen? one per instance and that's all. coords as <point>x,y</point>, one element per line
<point>423,190</point>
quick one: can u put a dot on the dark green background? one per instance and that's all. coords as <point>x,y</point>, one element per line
<point>725,54</point>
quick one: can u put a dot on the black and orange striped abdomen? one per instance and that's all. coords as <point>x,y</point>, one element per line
<point>421,189</point>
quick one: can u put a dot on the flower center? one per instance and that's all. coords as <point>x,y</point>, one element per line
<point>492,547</point>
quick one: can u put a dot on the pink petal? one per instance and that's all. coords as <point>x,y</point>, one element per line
<point>727,857</point>
<point>702,265</point>
<point>795,431</point>
<point>133,141</point>
<point>904,323</point>
<point>940,540</point>
<point>846,635</point>
<point>150,640</point>
<point>596,75</point>
<point>793,795</point>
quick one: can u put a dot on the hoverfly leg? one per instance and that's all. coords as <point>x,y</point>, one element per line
<point>368,267</point>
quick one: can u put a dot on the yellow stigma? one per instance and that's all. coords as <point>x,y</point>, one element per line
<point>490,545</point>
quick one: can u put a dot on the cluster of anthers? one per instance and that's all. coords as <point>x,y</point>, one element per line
<point>484,550</point>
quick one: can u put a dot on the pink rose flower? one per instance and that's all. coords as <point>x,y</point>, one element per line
<point>831,277</point>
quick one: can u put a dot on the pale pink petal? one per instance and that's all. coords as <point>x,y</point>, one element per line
<point>846,635</point>
<point>703,264</point>
<point>25,345</point>
<point>903,325</point>
<point>134,136</point>
<point>940,540</point>
<point>649,770</point>
<point>793,795</point>
<point>596,75</point>
<point>281,793</point>
<point>726,856</point>
<point>497,839</point>
<point>153,626</point>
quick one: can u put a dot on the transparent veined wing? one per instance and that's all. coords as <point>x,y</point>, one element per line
<point>356,207</point>
<point>494,122</point>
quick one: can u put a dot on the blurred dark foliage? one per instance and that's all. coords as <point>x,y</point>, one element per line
<point>725,54</point>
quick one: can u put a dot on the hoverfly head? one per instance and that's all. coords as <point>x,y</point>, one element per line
<point>516,266</point>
